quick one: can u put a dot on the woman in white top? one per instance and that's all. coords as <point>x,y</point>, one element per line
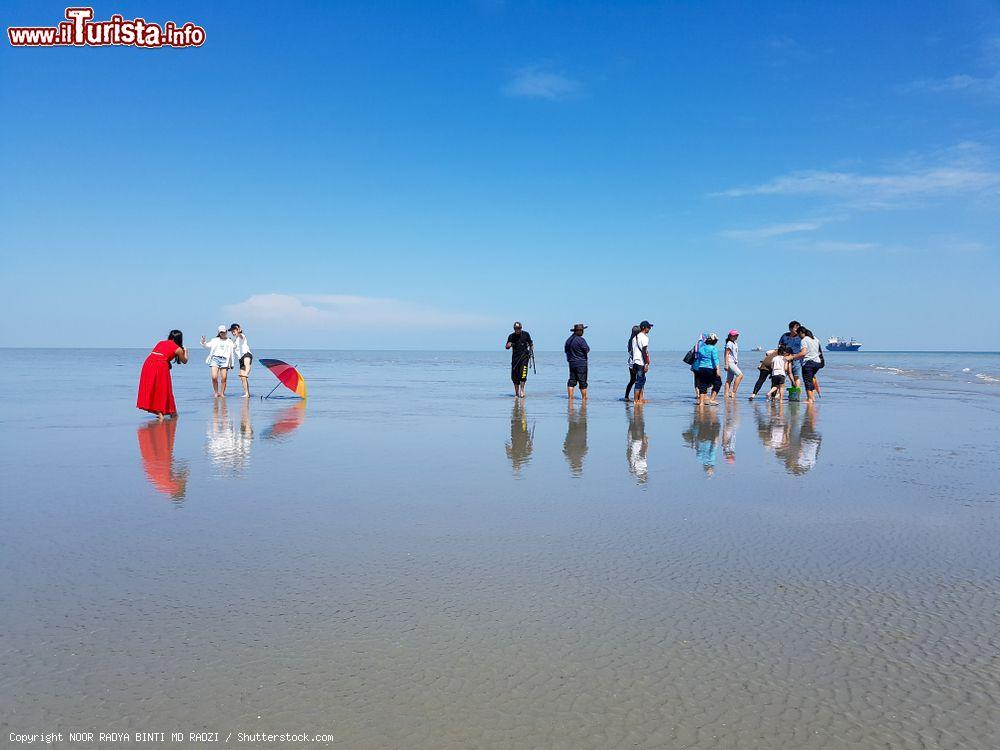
<point>242,356</point>
<point>734,375</point>
<point>220,358</point>
<point>812,361</point>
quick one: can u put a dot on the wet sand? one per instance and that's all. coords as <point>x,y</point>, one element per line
<point>412,559</point>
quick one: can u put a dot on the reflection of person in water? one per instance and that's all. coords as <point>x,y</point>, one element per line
<point>575,444</point>
<point>792,436</point>
<point>156,447</point>
<point>637,445</point>
<point>729,428</point>
<point>519,447</point>
<point>802,449</point>
<point>703,436</point>
<point>227,447</point>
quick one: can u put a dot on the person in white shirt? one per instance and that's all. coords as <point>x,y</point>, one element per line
<point>734,375</point>
<point>780,367</point>
<point>242,356</point>
<point>812,361</point>
<point>220,358</point>
<point>639,352</point>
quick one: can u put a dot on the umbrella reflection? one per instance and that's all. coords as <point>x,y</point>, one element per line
<point>790,431</point>
<point>637,445</point>
<point>229,447</point>
<point>156,448</point>
<point>519,446</point>
<point>575,444</point>
<point>286,422</point>
<point>703,436</point>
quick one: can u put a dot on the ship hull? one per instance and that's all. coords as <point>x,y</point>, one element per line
<point>842,347</point>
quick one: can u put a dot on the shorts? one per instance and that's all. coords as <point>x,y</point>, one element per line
<point>245,363</point>
<point>221,362</point>
<point>796,368</point>
<point>777,381</point>
<point>639,373</point>
<point>708,378</point>
<point>733,372</point>
<point>519,371</point>
<point>577,374</point>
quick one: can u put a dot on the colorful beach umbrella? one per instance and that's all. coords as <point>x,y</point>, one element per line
<point>288,376</point>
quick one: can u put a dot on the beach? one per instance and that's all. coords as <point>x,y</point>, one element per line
<point>412,558</point>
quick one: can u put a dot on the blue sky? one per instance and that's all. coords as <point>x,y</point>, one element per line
<point>418,175</point>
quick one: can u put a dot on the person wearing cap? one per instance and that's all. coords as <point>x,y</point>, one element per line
<point>706,367</point>
<point>734,375</point>
<point>242,356</point>
<point>220,359</point>
<point>522,347</point>
<point>639,351</point>
<point>577,349</point>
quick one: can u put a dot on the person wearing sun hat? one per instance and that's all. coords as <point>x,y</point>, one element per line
<point>220,358</point>
<point>731,361</point>
<point>577,349</point>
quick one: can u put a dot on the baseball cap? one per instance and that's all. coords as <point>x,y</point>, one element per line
<point>222,328</point>
<point>734,332</point>
<point>645,324</point>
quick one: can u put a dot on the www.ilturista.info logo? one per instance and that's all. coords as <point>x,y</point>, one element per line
<point>80,30</point>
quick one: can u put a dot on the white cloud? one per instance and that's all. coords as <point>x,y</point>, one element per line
<point>534,82</point>
<point>771,231</point>
<point>343,312</point>
<point>836,246</point>
<point>961,83</point>
<point>884,187</point>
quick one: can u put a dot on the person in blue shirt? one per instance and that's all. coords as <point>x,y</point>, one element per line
<point>577,349</point>
<point>706,368</point>
<point>793,343</point>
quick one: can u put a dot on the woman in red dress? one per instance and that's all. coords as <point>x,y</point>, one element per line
<point>156,394</point>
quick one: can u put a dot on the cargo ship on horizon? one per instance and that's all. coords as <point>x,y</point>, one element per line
<point>834,344</point>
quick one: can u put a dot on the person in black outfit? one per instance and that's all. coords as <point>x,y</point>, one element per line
<point>577,349</point>
<point>522,348</point>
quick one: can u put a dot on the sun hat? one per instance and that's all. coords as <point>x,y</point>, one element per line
<point>734,332</point>
<point>222,329</point>
<point>577,325</point>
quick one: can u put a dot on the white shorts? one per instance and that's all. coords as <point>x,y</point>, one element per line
<point>733,372</point>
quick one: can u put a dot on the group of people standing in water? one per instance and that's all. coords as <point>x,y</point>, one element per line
<point>227,350</point>
<point>798,357</point>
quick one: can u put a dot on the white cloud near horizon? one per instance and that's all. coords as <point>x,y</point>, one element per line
<point>534,82</point>
<point>345,312</point>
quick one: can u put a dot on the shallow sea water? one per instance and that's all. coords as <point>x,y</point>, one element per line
<point>411,559</point>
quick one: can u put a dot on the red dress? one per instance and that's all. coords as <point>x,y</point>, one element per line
<point>156,394</point>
